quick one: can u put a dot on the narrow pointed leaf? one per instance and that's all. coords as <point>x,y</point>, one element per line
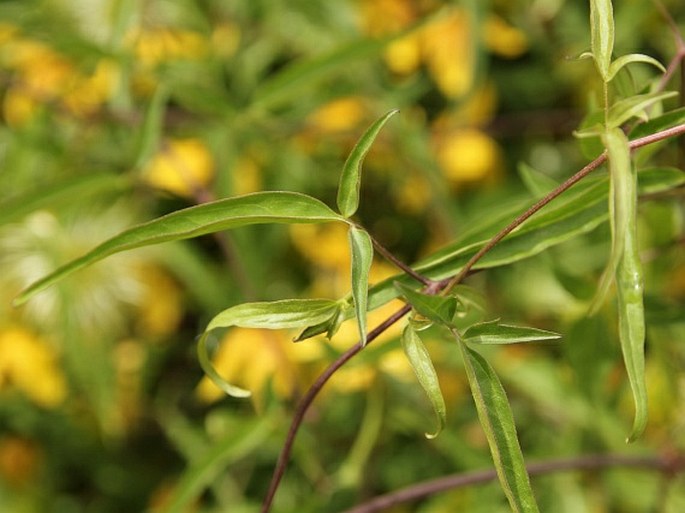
<point>274,315</point>
<point>258,208</point>
<point>438,309</point>
<point>536,182</point>
<point>286,313</point>
<point>624,110</point>
<point>425,372</point>
<point>497,421</point>
<point>350,179</point>
<point>602,35</point>
<point>494,333</point>
<point>624,60</point>
<point>621,195</point>
<point>362,257</point>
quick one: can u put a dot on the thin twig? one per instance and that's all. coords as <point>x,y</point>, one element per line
<point>433,288</point>
<point>399,264</point>
<point>665,464</point>
<point>311,394</point>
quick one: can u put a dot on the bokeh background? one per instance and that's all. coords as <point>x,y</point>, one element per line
<point>114,112</point>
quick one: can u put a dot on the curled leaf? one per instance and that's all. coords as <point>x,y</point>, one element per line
<point>624,60</point>
<point>421,362</point>
<point>602,35</point>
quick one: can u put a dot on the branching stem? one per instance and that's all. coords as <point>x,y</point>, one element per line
<point>665,464</point>
<point>434,288</point>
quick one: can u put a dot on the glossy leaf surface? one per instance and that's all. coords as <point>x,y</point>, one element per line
<point>258,208</point>
<point>362,257</point>
<point>497,421</point>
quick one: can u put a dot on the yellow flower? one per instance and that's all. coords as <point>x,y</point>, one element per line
<point>339,115</point>
<point>160,306</point>
<point>503,39</point>
<point>28,364</point>
<point>156,46</point>
<point>467,155</point>
<point>246,175</point>
<point>89,92</point>
<point>253,358</point>
<point>183,166</point>
<point>447,53</point>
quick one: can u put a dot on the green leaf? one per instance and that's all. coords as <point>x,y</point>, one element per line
<point>58,193</point>
<point>497,421</point>
<point>536,182</point>
<point>350,179</point>
<point>492,332</point>
<point>624,60</point>
<point>276,315</point>
<point>621,196</point>
<point>208,368</point>
<point>362,257</point>
<point>438,309</point>
<point>425,372</point>
<point>258,208</point>
<point>624,109</point>
<point>152,126</point>
<point>201,473</point>
<point>602,35</point>
<point>330,326</point>
<point>579,210</point>
<point>282,314</point>
<point>656,179</point>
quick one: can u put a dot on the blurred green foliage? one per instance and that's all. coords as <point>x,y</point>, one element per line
<point>118,111</point>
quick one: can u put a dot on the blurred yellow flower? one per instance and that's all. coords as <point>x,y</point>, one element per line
<point>447,53</point>
<point>28,364</point>
<point>154,46</point>
<point>160,306</point>
<point>246,176</point>
<point>503,39</point>
<point>45,77</point>
<point>182,166</point>
<point>467,155</point>
<point>253,358</point>
<point>339,115</point>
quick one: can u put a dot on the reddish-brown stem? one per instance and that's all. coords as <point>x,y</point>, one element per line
<point>311,394</point>
<point>668,465</point>
<point>399,264</point>
<point>433,288</point>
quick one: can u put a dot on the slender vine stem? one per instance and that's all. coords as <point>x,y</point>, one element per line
<point>665,464</point>
<point>382,250</point>
<point>433,288</point>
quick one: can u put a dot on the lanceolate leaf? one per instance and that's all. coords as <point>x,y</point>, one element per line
<point>624,60</point>
<point>258,208</point>
<point>287,313</point>
<point>350,179</point>
<point>627,108</point>
<point>425,372</point>
<point>362,257</point>
<point>436,308</point>
<point>580,210</point>
<point>602,33</point>
<point>497,421</point>
<point>274,315</point>
<point>494,333</point>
